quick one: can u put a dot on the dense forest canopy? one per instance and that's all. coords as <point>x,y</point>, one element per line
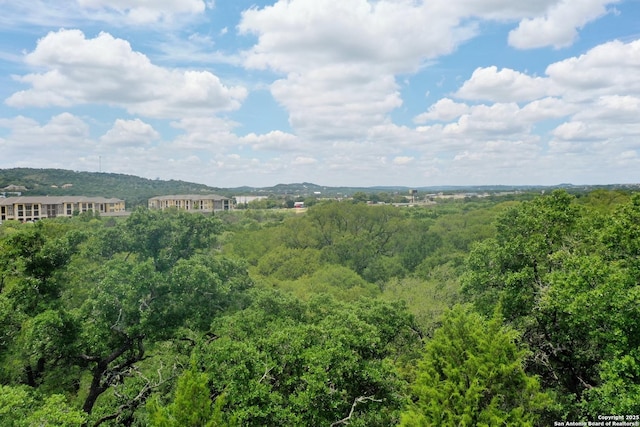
<point>487,312</point>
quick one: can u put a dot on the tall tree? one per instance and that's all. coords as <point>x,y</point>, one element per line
<point>472,374</point>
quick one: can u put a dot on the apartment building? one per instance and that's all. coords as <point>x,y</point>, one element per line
<point>37,207</point>
<point>192,202</point>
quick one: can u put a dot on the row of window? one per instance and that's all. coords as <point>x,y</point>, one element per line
<point>188,204</point>
<point>32,211</point>
<point>28,210</point>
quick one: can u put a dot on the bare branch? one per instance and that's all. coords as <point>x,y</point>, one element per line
<point>357,400</point>
<point>139,399</point>
<point>115,326</point>
<point>90,358</point>
<point>584,383</point>
<point>266,373</point>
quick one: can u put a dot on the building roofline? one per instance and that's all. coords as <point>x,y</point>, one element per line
<point>54,200</point>
<point>190,197</point>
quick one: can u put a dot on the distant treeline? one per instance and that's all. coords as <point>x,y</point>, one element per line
<point>136,191</point>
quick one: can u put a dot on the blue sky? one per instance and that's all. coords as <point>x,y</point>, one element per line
<point>335,92</point>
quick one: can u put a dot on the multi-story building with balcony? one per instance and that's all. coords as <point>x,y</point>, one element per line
<point>38,207</point>
<point>192,202</point>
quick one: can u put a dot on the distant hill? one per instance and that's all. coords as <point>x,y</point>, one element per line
<point>136,191</point>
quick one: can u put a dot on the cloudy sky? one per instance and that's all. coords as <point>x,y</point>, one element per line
<point>334,92</point>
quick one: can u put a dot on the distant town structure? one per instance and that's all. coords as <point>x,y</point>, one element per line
<point>12,187</point>
<point>32,208</point>
<point>192,202</point>
<point>249,199</point>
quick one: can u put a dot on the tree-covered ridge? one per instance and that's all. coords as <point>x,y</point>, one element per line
<point>134,190</point>
<point>468,313</point>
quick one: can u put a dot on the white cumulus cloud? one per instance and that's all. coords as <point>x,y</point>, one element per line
<point>61,129</point>
<point>339,57</point>
<point>505,85</point>
<point>145,11</point>
<point>558,26</point>
<point>303,160</point>
<point>106,70</point>
<point>444,109</point>
<point>610,68</point>
<point>274,140</point>
<point>130,133</point>
<point>403,160</point>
